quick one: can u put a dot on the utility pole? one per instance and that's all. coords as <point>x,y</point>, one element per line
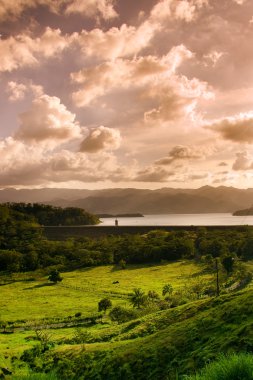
<point>217,278</point>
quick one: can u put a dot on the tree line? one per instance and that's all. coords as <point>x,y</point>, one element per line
<point>23,247</point>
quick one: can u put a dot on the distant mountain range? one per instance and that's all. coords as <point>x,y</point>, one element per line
<point>123,201</point>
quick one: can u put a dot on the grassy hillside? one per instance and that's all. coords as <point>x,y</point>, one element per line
<point>81,290</point>
<point>163,345</point>
<point>157,345</point>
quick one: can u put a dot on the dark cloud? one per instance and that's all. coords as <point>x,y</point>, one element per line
<point>238,128</point>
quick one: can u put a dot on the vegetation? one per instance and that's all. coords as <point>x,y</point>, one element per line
<point>165,318</point>
<point>55,276</point>
<point>231,367</point>
<point>53,216</point>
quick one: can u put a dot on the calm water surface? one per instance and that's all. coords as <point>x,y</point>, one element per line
<point>182,220</point>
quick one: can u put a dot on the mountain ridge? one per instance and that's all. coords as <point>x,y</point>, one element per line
<point>205,199</point>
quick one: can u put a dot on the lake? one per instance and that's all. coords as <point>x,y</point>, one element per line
<point>225,219</point>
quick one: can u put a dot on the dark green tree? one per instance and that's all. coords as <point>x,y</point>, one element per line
<point>120,314</point>
<point>228,264</point>
<point>104,304</point>
<point>138,298</point>
<point>55,276</point>
<point>167,289</point>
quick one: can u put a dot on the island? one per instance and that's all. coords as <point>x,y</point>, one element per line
<point>245,212</point>
<point>137,215</point>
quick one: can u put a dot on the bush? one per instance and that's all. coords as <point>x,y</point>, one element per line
<point>36,376</point>
<point>120,314</point>
<point>232,367</point>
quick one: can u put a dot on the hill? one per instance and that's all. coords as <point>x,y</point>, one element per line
<point>245,212</point>
<point>128,201</point>
<point>161,345</point>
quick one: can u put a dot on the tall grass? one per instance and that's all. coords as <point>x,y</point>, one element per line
<point>36,376</point>
<point>232,367</point>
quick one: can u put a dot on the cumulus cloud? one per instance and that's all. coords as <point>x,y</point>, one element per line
<point>23,164</point>
<point>212,58</point>
<point>17,91</point>
<point>239,2</point>
<point>47,120</point>
<point>116,42</point>
<point>243,162</point>
<point>181,152</point>
<point>186,10</point>
<point>22,50</point>
<point>11,9</point>
<point>123,73</point>
<point>101,138</point>
<point>148,77</point>
<point>238,128</point>
<point>93,8</point>
<point>153,174</point>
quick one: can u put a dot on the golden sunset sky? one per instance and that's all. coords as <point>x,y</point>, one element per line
<point>126,93</point>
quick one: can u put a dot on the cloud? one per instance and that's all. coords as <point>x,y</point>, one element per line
<point>123,73</point>
<point>23,51</point>
<point>115,42</point>
<point>18,91</point>
<point>47,120</point>
<point>23,164</point>
<point>181,152</point>
<point>146,81</point>
<point>101,138</point>
<point>239,2</point>
<point>93,8</point>
<point>185,10</point>
<point>153,174</point>
<point>212,58</point>
<point>243,162</point>
<point>12,9</point>
<point>238,128</point>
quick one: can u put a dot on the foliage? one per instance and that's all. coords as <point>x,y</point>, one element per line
<point>54,216</point>
<point>104,304</point>
<point>230,367</point>
<point>228,263</point>
<point>55,276</point>
<point>120,314</point>
<point>170,343</point>
<point>167,289</point>
<point>138,298</point>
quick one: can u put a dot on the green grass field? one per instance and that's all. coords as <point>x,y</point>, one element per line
<point>29,298</point>
<point>81,290</point>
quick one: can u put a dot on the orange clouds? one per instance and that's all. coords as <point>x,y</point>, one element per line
<point>101,138</point>
<point>89,8</point>
<point>238,128</point>
<point>47,120</point>
<point>22,50</point>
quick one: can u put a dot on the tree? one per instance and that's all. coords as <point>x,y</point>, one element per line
<point>122,264</point>
<point>167,289</point>
<point>153,296</point>
<point>138,298</point>
<point>104,304</point>
<point>228,264</point>
<point>120,314</point>
<point>55,276</point>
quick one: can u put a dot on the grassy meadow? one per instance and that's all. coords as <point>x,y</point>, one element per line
<point>31,296</point>
<point>29,300</point>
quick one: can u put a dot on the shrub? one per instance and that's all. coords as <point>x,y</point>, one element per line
<point>232,367</point>
<point>120,314</point>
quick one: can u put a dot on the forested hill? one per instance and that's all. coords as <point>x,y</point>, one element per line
<point>245,212</point>
<point>50,215</point>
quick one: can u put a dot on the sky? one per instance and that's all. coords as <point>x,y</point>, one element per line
<point>125,93</point>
